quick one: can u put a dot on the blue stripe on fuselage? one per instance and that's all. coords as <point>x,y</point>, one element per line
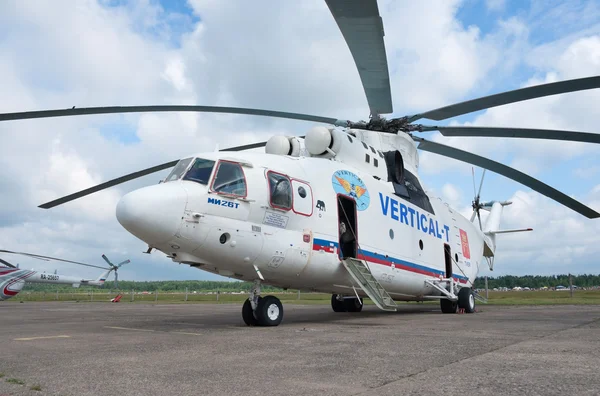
<point>378,258</point>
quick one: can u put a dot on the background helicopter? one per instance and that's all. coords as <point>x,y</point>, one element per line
<point>401,124</point>
<point>13,278</point>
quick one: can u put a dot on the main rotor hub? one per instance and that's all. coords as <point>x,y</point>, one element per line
<point>380,124</point>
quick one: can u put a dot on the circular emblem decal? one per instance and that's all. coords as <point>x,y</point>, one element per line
<point>347,183</point>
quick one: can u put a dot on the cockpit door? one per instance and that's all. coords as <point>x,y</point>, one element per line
<point>302,202</point>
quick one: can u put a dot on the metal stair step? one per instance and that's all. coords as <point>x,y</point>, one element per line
<point>362,275</point>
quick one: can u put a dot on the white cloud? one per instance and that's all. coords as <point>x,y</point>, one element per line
<point>451,194</point>
<point>561,240</point>
<point>495,5</point>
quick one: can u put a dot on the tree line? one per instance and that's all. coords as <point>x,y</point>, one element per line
<point>509,281</point>
<point>161,286</point>
<point>538,281</point>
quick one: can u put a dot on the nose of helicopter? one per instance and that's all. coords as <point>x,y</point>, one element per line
<point>153,214</point>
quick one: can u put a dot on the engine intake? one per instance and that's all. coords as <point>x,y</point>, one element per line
<point>283,145</point>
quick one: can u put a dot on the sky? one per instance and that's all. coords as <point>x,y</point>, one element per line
<point>287,56</point>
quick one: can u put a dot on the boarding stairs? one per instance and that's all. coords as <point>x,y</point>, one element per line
<point>479,297</point>
<point>362,275</point>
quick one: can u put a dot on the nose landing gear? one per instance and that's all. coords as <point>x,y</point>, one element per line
<point>261,311</point>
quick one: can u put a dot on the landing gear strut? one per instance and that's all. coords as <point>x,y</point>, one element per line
<point>261,311</point>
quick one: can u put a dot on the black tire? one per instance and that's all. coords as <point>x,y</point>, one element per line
<point>338,305</point>
<point>248,314</point>
<point>353,304</point>
<point>448,307</point>
<point>466,299</point>
<point>269,311</point>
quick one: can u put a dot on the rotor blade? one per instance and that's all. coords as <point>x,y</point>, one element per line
<point>123,263</point>
<point>108,261</point>
<point>108,184</point>
<point>474,191</point>
<point>131,176</point>
<point>362,28</point>
<point>479,218</point>
<point>7,263</point>
<point>473,216</point>
<point>480,185</point>
<point>503,98</point>
<point>51,258</point>
<point>585,137</point>
<point>509,172</point>
<point>165,108</point>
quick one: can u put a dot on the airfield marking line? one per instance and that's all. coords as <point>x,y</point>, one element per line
<point>41,338</point>
<point>127,328</point>
<point>183,332</point>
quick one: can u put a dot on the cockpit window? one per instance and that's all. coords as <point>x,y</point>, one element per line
<point>200,171</point>
<point>230,179</point>
<point>178,170</point>
<point>280,189</point>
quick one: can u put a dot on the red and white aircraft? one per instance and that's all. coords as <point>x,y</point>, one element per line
<point>13,279</point>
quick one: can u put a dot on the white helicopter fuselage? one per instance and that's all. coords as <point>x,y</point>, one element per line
<point>248,236</point>
<point>12,280</point>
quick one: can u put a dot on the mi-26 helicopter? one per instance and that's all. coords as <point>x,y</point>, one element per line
<point>13,278</point>
<point>341,210</point>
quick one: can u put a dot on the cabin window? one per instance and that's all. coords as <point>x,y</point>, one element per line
<point>230,179</point>
<point>280,191</point>
<point>302,201</point>
<point>302,192</point>
<point>179,170</point>
<point>200,171</point>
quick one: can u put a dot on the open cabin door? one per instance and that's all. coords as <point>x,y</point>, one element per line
<point>448,260</point>
<point>347,227</point>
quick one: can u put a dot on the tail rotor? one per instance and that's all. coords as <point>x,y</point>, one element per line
<point>115,267</point>
<point>476,204</point>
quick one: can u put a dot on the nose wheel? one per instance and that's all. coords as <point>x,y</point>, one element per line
<point>262,311</point>
<point>268,312</point>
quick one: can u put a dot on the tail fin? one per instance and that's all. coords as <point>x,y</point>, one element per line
<point>493,221</point>
<point>102,278</point>
<point>492,228</point>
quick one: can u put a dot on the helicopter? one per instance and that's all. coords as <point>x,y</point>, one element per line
<point>13,278</point>
<point>341,210</point>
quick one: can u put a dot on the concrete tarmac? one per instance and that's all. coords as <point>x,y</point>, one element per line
<point>200,349</point>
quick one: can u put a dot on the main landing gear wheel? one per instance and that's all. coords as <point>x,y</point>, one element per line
<point>346,304</point>
<point>248,314</point>
<point>448,306</point>
<point>269,311</point>
<point>353,304</point>
<point>337,305</point>
<point>466,299</point>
